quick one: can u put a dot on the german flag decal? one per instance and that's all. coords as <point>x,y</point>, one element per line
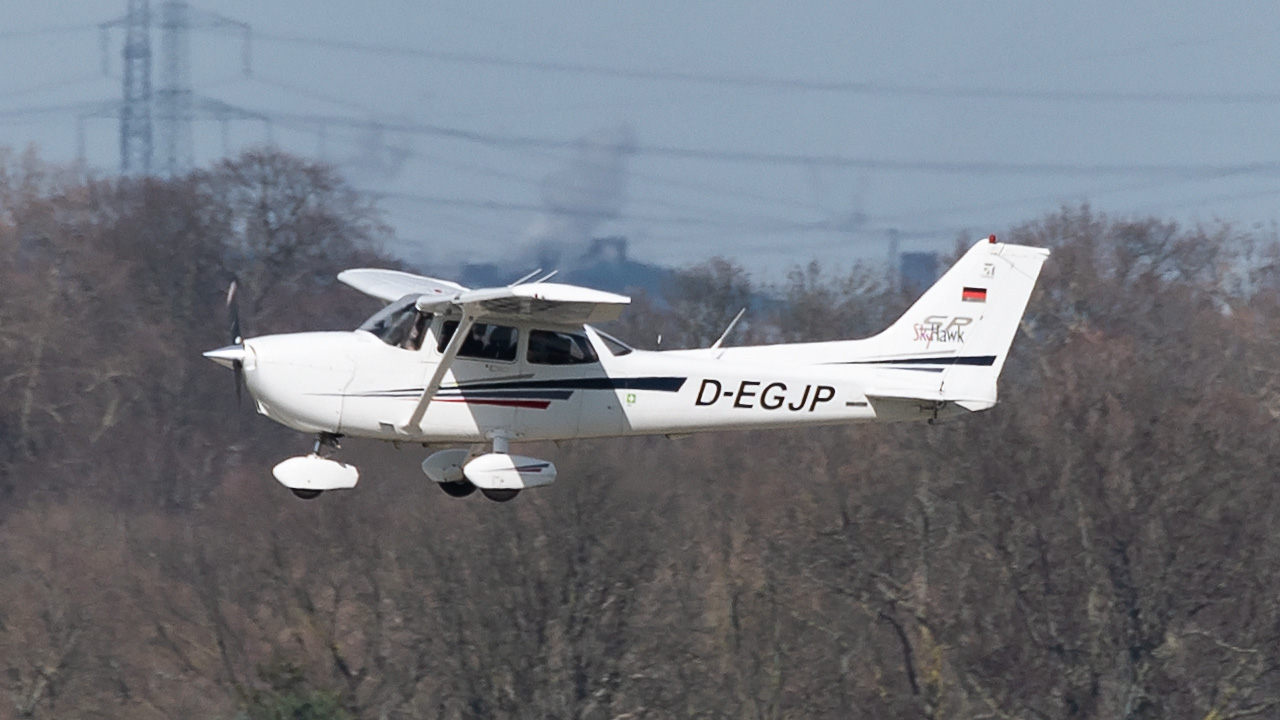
<point>974,294</point>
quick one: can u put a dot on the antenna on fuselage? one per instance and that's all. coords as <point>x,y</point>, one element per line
<point>729,329</point>
<point>526,277</point>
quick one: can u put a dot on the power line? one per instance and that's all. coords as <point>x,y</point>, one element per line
<point>946,167</point>
<point>312,94</point>
<point>746,226</point>
<point>1212,199</point>
<point>792,84</point>
<point>84,109</point>
<point>960,167</point>
<point>471,166</point>
<point>54,85</point>
<point>47,30</point>
<point>539,183</point>
<point>537,208</point>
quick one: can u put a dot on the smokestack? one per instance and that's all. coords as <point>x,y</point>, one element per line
<point>582,195</point>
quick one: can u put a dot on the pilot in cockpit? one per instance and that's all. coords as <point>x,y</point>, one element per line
<point>399,325</point>
<point>413,340</point>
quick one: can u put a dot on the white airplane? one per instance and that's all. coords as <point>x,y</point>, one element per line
<point>489,367</point>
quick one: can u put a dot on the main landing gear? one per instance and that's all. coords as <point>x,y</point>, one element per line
<point>500,495</point>
<point>498,475</point>
<point>463,488</point>
<point>500,445</point>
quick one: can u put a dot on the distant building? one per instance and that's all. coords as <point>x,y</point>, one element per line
<point>603,265</point>
<point>917,271</point>
<point>606,266</point>
<point>488,274</point>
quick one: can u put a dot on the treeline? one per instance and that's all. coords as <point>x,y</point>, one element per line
<point>1099,545</point>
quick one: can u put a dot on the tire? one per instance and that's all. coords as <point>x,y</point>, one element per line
<point>500,495</point>
<point>459,489</point>
<point>306,494</point>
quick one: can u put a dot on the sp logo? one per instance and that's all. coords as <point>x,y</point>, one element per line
<point>945,322</point>
<point>942,329</point>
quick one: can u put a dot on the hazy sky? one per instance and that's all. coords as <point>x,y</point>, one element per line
<point>770,132</point>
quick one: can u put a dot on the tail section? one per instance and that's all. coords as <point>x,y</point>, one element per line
<point>952,343</point>
<point>946,351</point>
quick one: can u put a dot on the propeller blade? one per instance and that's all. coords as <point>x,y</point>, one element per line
<point>237,340</point>
<point>233,309</point>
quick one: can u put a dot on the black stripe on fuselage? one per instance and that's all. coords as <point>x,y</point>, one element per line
<point>659,384</point>
<point>972,360</point>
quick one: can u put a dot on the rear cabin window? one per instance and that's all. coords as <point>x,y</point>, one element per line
<point>548,347</point>
<point>483,342</point>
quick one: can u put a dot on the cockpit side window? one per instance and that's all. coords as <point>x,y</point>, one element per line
<point>400,324</point>
<point>483,341</point>
<point>550,347</point>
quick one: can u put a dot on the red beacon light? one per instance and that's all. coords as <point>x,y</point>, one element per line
<point>992,239</point>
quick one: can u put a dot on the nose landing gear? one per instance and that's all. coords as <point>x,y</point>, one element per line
<point>326,440</point>
<point>309,475</point>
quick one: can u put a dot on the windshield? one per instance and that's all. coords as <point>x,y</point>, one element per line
<point>399,324</point>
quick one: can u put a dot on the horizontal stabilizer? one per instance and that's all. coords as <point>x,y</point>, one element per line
<point>891,408</point>
<point>924,396</point>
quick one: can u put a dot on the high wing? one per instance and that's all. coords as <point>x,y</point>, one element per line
<point>391,285</point>
<point>552,303</point>
<point>539,301</point>
<point>542,302</point>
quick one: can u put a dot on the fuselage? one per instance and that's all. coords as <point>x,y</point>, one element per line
<point>542,383</point>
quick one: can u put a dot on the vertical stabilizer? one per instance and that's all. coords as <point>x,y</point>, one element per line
<point>957,335</point>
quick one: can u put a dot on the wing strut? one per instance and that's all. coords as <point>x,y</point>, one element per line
<point>446,361</point>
